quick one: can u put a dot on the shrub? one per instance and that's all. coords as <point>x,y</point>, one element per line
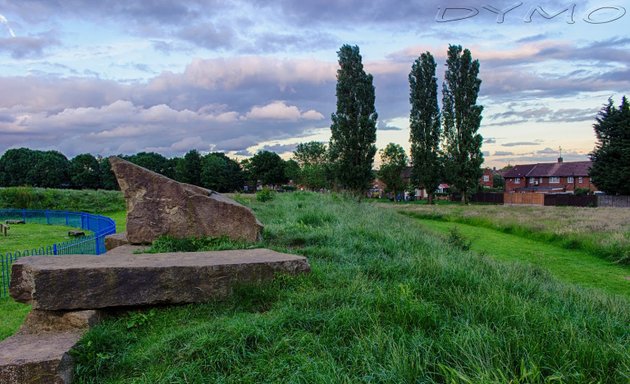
<point>265,195</point>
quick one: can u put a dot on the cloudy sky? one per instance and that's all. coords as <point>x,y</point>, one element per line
<point>123,76</point>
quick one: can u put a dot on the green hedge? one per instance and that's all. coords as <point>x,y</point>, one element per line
<point>63,199</point>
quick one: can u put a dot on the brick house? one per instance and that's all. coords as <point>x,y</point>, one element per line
<point>486,179</point>
<point>549,177</point>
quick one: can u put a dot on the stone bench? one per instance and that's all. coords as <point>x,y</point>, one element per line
<point>92,282</point>
<point>15,222</point>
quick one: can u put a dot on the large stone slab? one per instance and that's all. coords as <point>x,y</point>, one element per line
<point>37,358</point>
<point>157,205</point>
<point>84,282</point>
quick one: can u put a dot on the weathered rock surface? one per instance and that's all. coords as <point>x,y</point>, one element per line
<point>157,205</point>
<point>116,240</point>
<point>82,282</point>
<point>39,352</point>
<point>37,358</point>
<point>38,321</point>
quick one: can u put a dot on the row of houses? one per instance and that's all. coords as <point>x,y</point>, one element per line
<point>558,177</point>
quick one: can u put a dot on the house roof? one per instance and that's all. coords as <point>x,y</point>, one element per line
<point>573,168</point>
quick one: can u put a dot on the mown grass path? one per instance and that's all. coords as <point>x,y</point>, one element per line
<point>572,266</point>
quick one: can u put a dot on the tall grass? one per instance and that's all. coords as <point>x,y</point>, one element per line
<point>62,199</point>
<point>385,303</point>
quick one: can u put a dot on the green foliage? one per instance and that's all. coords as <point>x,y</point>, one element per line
<point>139,319</point>
<point>425,125</point>
<point>265,195</point>
<point>611,157</point>
<point>153,162</point>
<point>394,161</point>
<point>462,117</point>
<point>85,172</point>
<point>21,167</point>
<point>310,153</point>
<point>385,302</point>
<point>12,315</point>
<point>188,169</point>
<point>581,191</point>
<point>353,129</point>
<point>498,181</point>
<point>312,158</point>
<point>267,168</point>
<point>457,240</point>
<point>220,173</point>
<point>172,244</point>
<point>292,170</point>
<point>108,179</point>
<point>62,199</point>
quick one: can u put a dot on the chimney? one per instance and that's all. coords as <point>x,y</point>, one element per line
<point>560,159</point>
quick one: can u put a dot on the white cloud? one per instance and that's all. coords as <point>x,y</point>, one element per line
<point>279,110</point>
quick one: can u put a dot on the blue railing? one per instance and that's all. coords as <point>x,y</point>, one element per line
<point>93,244</point>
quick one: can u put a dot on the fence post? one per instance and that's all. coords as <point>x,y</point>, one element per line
<point>55,249</point>
<point>24,215</point>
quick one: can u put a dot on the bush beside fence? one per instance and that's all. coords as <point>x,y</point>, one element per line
<point>93,244</point>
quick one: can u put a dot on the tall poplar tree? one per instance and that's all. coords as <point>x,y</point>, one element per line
<point>462,117</point>
<point>424,121</point>
<point>611,157</point>
<point>353,126</point>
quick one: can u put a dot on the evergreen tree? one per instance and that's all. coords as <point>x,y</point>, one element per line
<point>394,161</point>
<point>610,171</point>
<point>424,122</point>
<point>353,126</point>
<point>462,117</point>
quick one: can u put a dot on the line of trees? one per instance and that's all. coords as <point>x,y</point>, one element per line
<point>216,171</point>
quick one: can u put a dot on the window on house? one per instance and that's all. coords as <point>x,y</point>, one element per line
<point>517,180</point>
<point>570,179</point>
<point>486,178</point>
<point>540,180</point>
<point>580,180</point>
<point>554,180</point>
<point>532,180</point>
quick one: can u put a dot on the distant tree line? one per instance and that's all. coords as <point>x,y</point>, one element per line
<point>216,171</point>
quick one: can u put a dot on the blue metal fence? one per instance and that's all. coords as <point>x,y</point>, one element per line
<point>93,244</point>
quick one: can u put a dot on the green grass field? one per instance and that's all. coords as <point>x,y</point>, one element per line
<point>12,315</point>
<point>33,236</point>
<point>604,232</point>
<point>572,266</point>
<point>387,301</point>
